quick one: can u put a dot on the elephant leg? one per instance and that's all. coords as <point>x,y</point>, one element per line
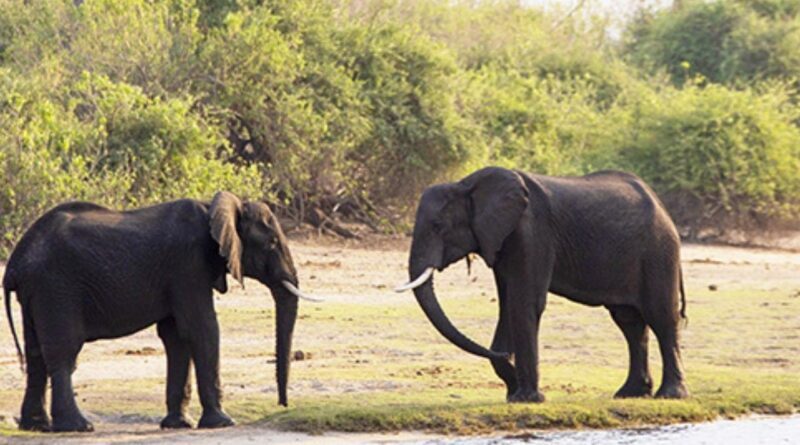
<point>502,343</point>
<point>672,381</point>
<point>66,415</point>
<point>525,312</point>
<point>205,354</point>
<point>661,314</point>
<point>179,362</point>
<point>196,317</point>
<point>639,383</point>
<point>33,416</point>
<point>60,335</point>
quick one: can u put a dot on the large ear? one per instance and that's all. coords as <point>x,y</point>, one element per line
<point>498,197</point>
<point>223,215</point>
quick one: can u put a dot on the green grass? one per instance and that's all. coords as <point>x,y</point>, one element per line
<point>581,402</point>
<point>737,359</point>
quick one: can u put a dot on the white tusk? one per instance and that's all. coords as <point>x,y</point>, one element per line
<point>416,283</point>
<point>291,287</point>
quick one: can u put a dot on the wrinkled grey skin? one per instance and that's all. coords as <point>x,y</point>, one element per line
<point>83,272</point>
<point>603,240</point>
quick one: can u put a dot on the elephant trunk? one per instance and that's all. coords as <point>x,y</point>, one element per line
<point>285,316</point>
<point>430,305</point>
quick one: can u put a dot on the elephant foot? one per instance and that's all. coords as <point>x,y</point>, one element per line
<point>75,423</point>
<point>39,422</point>
<point>673,391</point>
<point>637,389</point>
<point>176,421</point>
<point>526,396</point>
<point>215,419</point>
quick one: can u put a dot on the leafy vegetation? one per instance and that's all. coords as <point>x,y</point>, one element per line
<point>354,106</point>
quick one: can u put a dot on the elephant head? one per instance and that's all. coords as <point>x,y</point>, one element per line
<point>252,243</point>
<point>474,215</point>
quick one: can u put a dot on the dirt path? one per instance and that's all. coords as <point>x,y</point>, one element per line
<point>126,375</point>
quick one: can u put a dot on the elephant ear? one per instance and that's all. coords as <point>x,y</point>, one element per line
<point>499,198</point>
<point>223,214</point>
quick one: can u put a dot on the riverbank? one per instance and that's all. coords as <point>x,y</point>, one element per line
<point>371,362</point>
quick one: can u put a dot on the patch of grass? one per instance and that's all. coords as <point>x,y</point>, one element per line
<point>716,393</point>
<point>736,358</point>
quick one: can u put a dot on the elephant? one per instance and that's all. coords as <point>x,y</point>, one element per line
<point>604,239</point>
<point>83,272</point>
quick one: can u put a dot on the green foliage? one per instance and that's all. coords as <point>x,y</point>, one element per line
<point>725,41</point>
<point>107,142</point>
<point>408,87</point>
<point>686,43</point>
<point>360,104</point>
<point>736,153</point>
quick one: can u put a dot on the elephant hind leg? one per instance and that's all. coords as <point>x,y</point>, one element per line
<point>61,335</point>
<point>33,416</point>
<point>60,361</point>
<point>630,321</point>
<point>661,313</point>
<point>672,381</point>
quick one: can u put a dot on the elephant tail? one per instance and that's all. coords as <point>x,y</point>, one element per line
<point>8,287</point>
<point>683,302</point>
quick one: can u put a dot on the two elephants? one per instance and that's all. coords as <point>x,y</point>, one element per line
<point>83,272</point>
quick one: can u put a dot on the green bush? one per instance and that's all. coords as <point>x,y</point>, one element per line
<point>357,105</point>
<point>731,42</point>
<point>409,87</point>
<point>735,154</point>
<point>105,142</point>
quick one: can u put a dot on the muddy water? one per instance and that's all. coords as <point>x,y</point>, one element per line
<point>755,430</point>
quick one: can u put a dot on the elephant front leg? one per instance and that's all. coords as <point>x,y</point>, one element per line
<point>502,343</point>
<point>525,313</point>
<point>205,354</point>
<point>179,389</point>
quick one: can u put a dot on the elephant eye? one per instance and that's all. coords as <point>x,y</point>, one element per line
<point>438,226</point>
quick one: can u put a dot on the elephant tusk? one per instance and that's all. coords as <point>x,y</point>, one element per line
<point>294,290</point>
<point>416,283</point>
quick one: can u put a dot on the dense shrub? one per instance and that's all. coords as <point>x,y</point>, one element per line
<point>724,41</point>
<point>719,155</point>
<point>106,142</point>
<point>409,88</point>
<point>356,105</point>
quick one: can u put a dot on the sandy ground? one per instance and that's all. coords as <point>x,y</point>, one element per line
<point>353,273</point>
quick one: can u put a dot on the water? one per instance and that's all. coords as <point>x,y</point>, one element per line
<point>749,431</point>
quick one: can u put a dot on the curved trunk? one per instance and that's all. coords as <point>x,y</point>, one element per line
<point>430,305</point>
<point>285,316</point>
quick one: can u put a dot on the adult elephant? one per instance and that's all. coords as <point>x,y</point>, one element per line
<point>603,240</point>
<point>83,272</point>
